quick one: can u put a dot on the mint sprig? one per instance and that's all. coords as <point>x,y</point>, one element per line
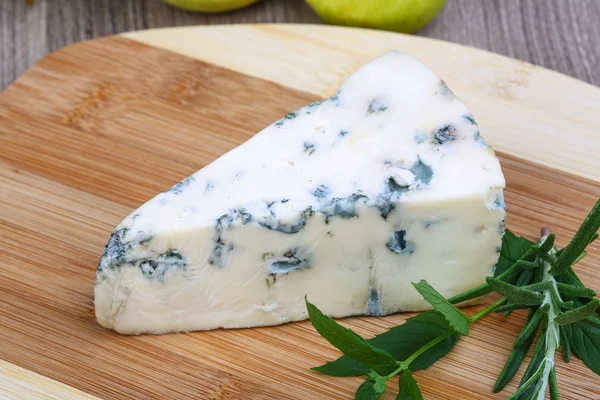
<point>372,388</point>
<point>408,389</point>
<point>401,342</point>
<point>457,320</point>
<point>534,276</point>
<point>349,342</point>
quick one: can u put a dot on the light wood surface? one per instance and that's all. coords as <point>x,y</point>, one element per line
<point>18,383</point>
<point>95,129</point>
<point>317,58</point>
<point>562,35</point>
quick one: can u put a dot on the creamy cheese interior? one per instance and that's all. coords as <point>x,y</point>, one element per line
<point>346,201</point>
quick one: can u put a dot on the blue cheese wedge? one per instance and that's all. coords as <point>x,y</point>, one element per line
<point>346,201</point>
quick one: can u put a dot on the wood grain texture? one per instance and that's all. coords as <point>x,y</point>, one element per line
<point>87,135</point>
<point>317,59</point>
<point>559,34</point>
<point>17,383</point>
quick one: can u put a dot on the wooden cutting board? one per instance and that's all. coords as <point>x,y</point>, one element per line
<point>94,130</point>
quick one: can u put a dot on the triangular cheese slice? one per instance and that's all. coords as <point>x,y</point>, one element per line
<point>346,201</point>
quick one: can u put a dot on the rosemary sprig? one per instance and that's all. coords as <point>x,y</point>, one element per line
<point>534,276</point>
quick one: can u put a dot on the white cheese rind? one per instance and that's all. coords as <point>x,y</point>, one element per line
<point>346,201</point>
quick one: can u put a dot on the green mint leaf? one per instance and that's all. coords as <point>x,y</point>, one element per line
<point>512,274</point>
<point>585,342</point>
<point>532,326</point>
<point>565,341</point>
<point>593,322</point>
<point>584,339</point>
<point>513,249</point>
<point>575,291</point>
<point>348,342</point>
<point>578,313</point>
<point>372,388</point>
<point>408,389</point>
<point>401,342</point>
<point>553,385</point>
<point>509,269</point>
<point>380,382</point>
<point>458,321</point>
<point>502,265</point>
<point>514,293</point>
<point>579,242</point>
<point>515,360</point>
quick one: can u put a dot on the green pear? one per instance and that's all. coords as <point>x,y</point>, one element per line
<point>405,16</point>
<point>210,5</point>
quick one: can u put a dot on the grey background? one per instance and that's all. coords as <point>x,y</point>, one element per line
<point>563,35</point>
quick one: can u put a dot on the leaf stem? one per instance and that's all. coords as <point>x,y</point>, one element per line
<point>487,310</point>
<point>429,345</point>
<point>401,368</point>
<point>402,365</point>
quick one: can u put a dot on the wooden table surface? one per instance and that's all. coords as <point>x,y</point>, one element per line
<point>563,35</point>
<point>97,128</point>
